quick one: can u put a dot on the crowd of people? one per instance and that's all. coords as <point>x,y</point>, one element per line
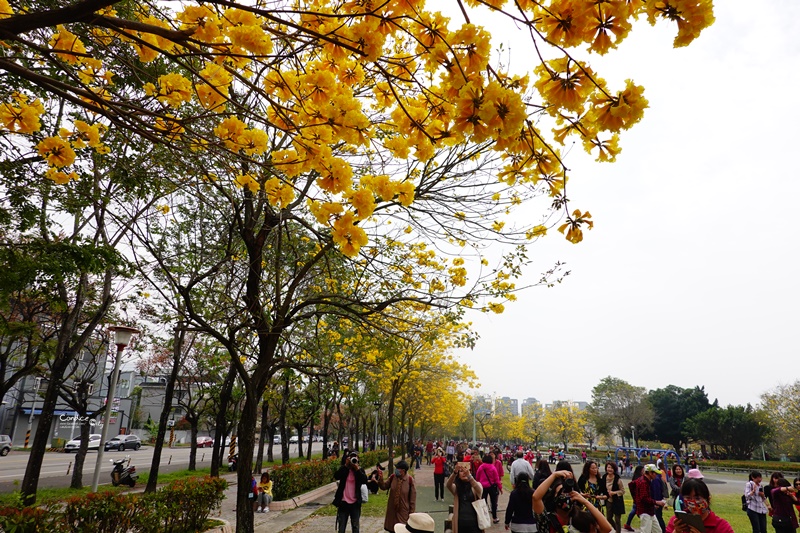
<point>548,497</point>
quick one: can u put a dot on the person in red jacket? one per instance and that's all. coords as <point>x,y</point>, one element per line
<point>438,474</point>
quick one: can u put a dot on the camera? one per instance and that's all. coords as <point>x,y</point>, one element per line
<point>354,460</point>
<point>568,484</point>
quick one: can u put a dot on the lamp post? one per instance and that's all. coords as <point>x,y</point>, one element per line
<point>375,440</point>
<point>122,338</point>
<point>633,435</point>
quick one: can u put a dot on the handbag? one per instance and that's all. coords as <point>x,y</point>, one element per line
<point>782,522</point>
<point>364,493</point>
<point>482,510</point>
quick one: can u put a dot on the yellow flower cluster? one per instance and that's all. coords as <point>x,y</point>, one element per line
<point>238,137</point>
<point>173,89</point>
<point>21,115</point>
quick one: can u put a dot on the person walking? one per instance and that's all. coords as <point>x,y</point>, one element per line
<point>402,496</point>
<point>347,499</point>
<point>637,473</point>
<point>658,487</point>
<point>784,496</point>
<point>520,466</point>
<point>612,488</point>
<point>438,461</point>
<point>643,499</point>
<point>756,502</point>
<point>465,490</point>
<point>675,482</point>
<point>542,472</point>
<point>487,477</point>
<point>519,513</point>
<point>589,484</point>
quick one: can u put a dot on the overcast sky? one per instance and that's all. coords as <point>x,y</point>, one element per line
<point>690,276</point>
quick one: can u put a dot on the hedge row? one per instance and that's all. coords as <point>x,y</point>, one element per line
<point>183,506</point>
<point>293,479</point>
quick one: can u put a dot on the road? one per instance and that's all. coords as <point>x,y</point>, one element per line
<point>56,465</point>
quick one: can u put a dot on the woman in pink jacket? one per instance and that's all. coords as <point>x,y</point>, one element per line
<point>490,481</point>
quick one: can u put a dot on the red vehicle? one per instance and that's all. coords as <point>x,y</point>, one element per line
<point>205,442</point>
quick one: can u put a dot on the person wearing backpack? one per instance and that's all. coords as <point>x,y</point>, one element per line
<point>754,501</point>
<point>402,496</point>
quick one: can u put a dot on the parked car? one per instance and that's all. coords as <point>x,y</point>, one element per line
<point>276,439</point>
<point>5,444</point>
<point>227,441</point>
<point>74,444</point>
<point>293,439</point>
<point>205,442</point>
<point>123,442</point>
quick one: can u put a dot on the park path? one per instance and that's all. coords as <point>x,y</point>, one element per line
<point>425,504</point>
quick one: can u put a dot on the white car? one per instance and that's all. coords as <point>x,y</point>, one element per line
<point>74,444</point>
<point>293,439</point>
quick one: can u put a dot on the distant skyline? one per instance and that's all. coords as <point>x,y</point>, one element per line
<point>690,276</point>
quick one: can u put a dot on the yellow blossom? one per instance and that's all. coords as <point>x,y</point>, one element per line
<point>56,151</point>
<point>60,177</point>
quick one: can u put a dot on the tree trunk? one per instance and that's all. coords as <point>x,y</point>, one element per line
<point>262,436</point>
<point>271,436</point>
<point>80,458</point>
<point>310,441</point>
<point>244,469</point>
<point>30,482</point>
<point>326,423</point>
<point>220,422</point>
<point>299,429</point>
<point>282,422</point>
<point>193,449</point>
<point>169,391</point>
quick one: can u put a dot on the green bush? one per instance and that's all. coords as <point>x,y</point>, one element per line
<point>294,479</point>
<point>29,520</point>
<point>182,506</point>
<point>101,512</point>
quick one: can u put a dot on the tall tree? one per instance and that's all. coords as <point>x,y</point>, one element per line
<point>782,404</point>
<point>672,407</point>
<point>564,422</point>
<point>735,430</point>
<point>617,406</point>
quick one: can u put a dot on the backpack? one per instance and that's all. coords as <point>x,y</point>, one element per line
<point>744,503</point>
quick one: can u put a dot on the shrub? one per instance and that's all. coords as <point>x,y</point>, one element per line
<point>30,520</point>
<point>100,512</point>
<point>182,506</point>
<point>293,479</point>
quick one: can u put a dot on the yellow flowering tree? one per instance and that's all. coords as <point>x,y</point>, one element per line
<point>564,422</point>
<point>782,407</point>
<point>383,129</point>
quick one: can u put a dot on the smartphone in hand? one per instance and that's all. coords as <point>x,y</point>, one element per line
<point>693,520</point>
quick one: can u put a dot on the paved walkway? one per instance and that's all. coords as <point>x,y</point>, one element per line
<point>300,520</point>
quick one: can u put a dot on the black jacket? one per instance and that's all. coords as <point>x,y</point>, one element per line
<point>617,503</point>
<point>341,476</point>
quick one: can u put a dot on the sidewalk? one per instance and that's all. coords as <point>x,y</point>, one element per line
<point>299,520</point>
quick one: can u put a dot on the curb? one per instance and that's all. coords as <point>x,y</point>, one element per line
<point>226,527</point>
<point>303,499</point>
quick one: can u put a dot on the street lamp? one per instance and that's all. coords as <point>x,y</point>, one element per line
<point>633,435</point>
<point>375,440</point>
<point>122,338</point>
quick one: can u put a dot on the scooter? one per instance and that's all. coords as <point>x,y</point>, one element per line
<point>123,475</point>
<point>232,461</point>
